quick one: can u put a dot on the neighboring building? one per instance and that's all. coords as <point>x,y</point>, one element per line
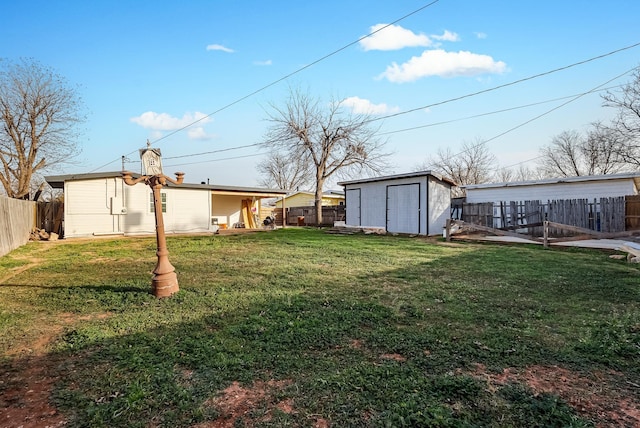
<point>307,199</point>
<point>581,187</point>
<point>102,204</point>
<point>415,203</point>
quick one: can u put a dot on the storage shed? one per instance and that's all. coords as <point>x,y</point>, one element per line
<point>581,187</point>
<point>415,203</point>
<point>102,204</point>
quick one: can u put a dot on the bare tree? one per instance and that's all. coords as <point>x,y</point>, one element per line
<point>39,113</point>
<point>625,127</point>
<point>472,164</point>
<point>280,170</point>
<point>572,154</point>
<point>333,139</point>
<point>563,157</point>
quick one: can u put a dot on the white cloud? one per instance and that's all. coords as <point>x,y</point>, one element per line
<point>166,122</point>
<point>198,133</point>
<point>267,62</point>
<point>361,106</point>
<point>481,35</point>
<point>447,36</point>
<point>395,37</point>
<point>392,38</point>
<point>444,64</point>
<point>216,47</point>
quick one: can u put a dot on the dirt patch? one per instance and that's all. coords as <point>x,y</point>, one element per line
<point>605,398</point>
<point>236,402</point>
<point>394,357</point>
<point>26,389</point>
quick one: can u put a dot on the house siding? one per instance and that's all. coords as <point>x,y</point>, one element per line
<point>553,191</point>
<point>88,208</point>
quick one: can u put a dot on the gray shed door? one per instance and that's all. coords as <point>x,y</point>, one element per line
<point>353,207</point>
<point>403,208</point>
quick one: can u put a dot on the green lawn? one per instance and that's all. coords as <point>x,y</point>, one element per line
<point>305,329</point>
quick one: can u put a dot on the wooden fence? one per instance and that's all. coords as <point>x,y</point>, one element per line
<point>302,216</point>
<point>600,215</point>
<point>49,216</point>
<point>16,222</point>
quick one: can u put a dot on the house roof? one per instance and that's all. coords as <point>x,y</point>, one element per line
<point>337,194</point>
<point>57,182</point>
<point>635,176</point>
<point>399,176</point>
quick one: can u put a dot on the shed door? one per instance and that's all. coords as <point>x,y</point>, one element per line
<point>353,207</point>
<point>403,208</point>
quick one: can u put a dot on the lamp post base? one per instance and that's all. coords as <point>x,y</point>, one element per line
<point>165,284</point>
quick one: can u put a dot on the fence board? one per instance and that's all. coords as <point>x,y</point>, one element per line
<point>16,221</point>
<point>603,215</point>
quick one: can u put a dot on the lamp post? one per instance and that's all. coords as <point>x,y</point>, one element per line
<point>165,281</point>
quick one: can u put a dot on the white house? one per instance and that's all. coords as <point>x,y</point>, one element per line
<point>582,187</point>
<point>102,204</point>
<point>416,203</point>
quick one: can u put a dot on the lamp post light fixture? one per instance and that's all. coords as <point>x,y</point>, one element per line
<point>165,281</point>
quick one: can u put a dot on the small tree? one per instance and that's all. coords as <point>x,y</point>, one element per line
<point>572,154</point>
<point>280,170</point>
<point>472,164</point>
<point>625,128</point>
<point>332,139</point>
<point>38,117</point>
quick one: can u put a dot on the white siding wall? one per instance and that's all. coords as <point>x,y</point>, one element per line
<point>439,205</point>
<point>227,209</point>
<point>88,208</point>
<point>553,191</point>
<point>373,203</point>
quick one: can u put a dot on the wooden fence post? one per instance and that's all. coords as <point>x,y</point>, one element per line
<point>447,230</point>
<point>546,234</point>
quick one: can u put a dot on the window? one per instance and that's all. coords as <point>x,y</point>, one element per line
<point>163,198</point>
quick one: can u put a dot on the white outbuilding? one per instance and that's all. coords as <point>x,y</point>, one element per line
<point>581,187</point>
<point>415,203</point>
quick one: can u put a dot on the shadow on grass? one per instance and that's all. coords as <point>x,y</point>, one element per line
<point>351,362</point>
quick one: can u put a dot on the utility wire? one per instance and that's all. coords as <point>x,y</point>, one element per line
<point>285,77</point>
<point>538,117</point>
<point>403,112</point>
<point>535,76</point>
<point>492,112</point>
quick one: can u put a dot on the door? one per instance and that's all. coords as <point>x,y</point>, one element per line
<point>403,208</point>
<point>352,199</point>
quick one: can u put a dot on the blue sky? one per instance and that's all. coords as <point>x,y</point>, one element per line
<point>148,68</point>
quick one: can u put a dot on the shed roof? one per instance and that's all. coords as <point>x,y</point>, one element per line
<point>57,182</point>
<point>635,176</point>
<point>399,176</point>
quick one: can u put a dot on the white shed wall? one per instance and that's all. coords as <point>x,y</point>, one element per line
<point>554,191</point>
<point>439,206</point>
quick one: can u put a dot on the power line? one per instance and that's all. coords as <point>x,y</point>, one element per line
<point>538,117</point>
<point>217,160</point>
<point>285,77</point>
<point>492,112</point>
<point>399,113</point>
<point>535,76</point>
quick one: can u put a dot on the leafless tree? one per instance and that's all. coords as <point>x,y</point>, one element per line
<point>563,157</point>
<point>280,170</point>
<point>333,139</point>
<point>572,154</point>
<point>625,127</point>
<point>472,164</point>
<point>39,113</point>
<point>521,173</point>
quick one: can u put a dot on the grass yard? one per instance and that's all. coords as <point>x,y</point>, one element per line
<point>298,328</point>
